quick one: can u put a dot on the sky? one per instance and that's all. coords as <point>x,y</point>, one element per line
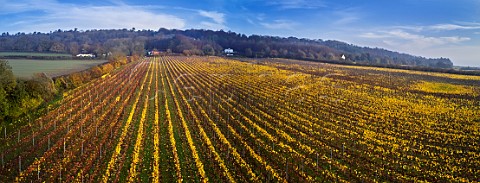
<point>428,28</point>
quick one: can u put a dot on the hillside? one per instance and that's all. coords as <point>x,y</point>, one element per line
<point>207,42</point>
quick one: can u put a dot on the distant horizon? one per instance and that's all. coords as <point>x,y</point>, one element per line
<point>236,33</point>
<point>448,29</point>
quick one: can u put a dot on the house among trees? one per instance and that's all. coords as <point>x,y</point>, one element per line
<point>89,55</point>
<point>343,57</point>
<point>228,52</point>
<point>154,53</point>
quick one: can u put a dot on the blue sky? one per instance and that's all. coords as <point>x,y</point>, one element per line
<point>430,28</point>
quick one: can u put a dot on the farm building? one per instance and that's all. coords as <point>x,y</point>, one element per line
<point>86,55</point>
<point>228,52</point>
<point>154,53</point>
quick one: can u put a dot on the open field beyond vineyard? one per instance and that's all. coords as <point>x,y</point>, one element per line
<point>34,54</point>
<point>25,68</point>
<point>211,119</point>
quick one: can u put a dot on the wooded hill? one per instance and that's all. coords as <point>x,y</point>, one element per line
<point>207,42</point>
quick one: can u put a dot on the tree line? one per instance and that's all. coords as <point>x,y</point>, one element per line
<point>207,42</point>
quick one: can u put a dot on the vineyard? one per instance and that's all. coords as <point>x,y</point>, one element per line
<point>211,119</point>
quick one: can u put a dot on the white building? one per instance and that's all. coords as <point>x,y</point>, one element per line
<point>343,57</point>
<point>86,55</point>
<point>228,51</point>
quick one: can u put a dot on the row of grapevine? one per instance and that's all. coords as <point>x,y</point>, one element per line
<point>210,119</point>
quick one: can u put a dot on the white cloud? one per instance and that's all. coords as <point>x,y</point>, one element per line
<point>453,47</point>
<point>343,17</point>
<point>25,5</point>
<point>410,28</point>
<point>261,16</point>
<point>279,24</point>
<point>217,17</point>
<point>250,21</point>
<point>346,20</point>
<point>441,27</point>
<point>426,41</point>
<point>455,41</point>
<point>298,4</point>
<point>449,27</point>
<point>373,35</point>
<point>68,16</point>
<point>401,38</point>
<point>403,35</point>
<point>212,26</point>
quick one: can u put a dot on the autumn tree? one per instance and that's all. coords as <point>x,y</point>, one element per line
<point>7,84</point>
<point>208,49</point>
<point>57,47</point>
<point>248,52</point>
<point>74,48</point>
<point>41,86</point>
<point>96,71</point>
<point>7,79</point>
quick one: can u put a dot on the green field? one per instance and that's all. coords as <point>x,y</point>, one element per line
<point>25,68</point>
